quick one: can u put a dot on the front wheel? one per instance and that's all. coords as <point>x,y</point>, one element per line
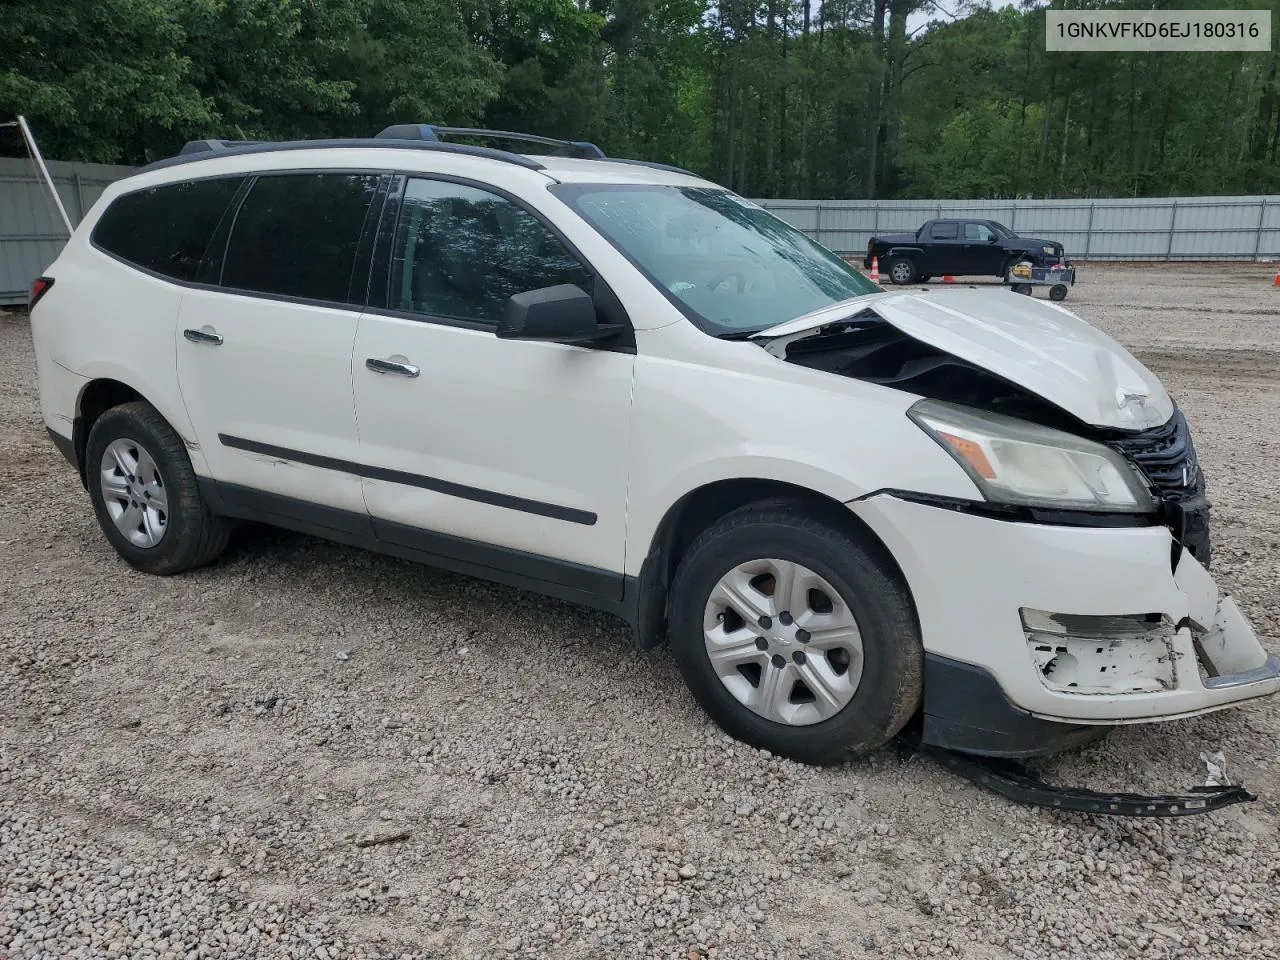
<point>1058,292</point>
<point>145,494</point>
<point>795,636</point>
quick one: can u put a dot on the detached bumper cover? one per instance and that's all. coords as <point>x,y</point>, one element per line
<point>973,576</point>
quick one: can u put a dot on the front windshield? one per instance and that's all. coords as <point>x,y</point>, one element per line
<point>1001,229</point>
<point>730,266</point>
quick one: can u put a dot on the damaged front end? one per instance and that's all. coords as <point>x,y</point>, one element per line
<point>869,348</point>
<point>1050,612</point>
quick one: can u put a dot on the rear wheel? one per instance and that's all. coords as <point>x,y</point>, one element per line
<point>794,636</point>
<point>145,494</point>
<point>1058,292</point>
<point>1023,288</point>
<point>901,270</point>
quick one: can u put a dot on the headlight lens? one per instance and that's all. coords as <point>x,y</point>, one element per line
<point>1049,250</point>
<point>1017,462</point>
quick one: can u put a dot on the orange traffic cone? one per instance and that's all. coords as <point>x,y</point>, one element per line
<point>1276,281</point>
<point>875,271</point>
<point>948,278</point>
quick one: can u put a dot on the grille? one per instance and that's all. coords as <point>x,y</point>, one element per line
<point>1167,458</point>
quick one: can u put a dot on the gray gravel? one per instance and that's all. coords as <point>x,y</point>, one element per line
<point>188,768</point>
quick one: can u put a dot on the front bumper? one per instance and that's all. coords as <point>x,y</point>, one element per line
<point>976,580</point>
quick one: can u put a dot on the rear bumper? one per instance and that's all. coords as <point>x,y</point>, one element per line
<point>1075,626</point>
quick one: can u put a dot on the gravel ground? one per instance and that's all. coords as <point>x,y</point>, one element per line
<point>193,767</point>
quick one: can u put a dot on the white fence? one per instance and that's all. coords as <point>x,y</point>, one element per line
<point>1183,228</point>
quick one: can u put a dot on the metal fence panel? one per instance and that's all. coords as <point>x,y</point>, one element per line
<point>1183,228</point>
<point>31,232</point>
<point>1159,228</point>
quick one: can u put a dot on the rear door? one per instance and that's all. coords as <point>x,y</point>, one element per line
<point>944,249</point>
<point>509,454</point>
<point>264,350</point>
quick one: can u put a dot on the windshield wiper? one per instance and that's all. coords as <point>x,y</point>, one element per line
<point>737,335</point>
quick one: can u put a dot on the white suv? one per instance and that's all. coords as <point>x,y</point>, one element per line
<point>621,385</point>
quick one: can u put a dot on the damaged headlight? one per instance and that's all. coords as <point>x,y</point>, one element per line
<point>1018,462</point>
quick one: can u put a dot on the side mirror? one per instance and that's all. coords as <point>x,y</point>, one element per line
<point>560,314</point>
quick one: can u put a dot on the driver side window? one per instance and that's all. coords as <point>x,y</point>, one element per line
<point>978,231</point>
<point>461,252</point>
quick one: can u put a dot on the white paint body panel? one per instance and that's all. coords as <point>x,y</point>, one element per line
<point>541,421</point>
<point>281,376</point>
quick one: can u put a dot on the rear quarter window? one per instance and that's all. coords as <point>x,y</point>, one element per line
<point>166,229</point>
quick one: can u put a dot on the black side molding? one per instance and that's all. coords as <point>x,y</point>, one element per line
<point>447,487</point>
<point>589,586</point>
<point>66,446</point>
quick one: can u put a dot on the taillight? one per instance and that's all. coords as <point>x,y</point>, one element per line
<point>39,287</point>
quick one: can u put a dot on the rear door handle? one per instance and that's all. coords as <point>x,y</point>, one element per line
<point>206,335</point>
<point>398,367</point>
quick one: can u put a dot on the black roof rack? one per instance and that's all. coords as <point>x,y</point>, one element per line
<point>196,150</point>
<point>431,133</point>
<point>411,136</point>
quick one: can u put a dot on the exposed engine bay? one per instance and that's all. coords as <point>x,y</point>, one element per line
<point>867,347</point>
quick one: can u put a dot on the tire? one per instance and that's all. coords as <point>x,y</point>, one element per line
<point>900,270</point>
<point>184,534</point>
<point>827,730</point>
<point>1058,292</point>
<point>1023,288</point>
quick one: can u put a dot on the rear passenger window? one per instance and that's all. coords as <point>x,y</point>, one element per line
<point>461,252</point>
<point>296,235</point>
<point>943,231</point>
<point>166,229</point>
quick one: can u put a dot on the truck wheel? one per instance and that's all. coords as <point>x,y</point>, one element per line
<point>1058,291</point>
<point>794,636</point>
<point>901,270</point>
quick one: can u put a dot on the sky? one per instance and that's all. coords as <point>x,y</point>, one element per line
<point>943,10</point>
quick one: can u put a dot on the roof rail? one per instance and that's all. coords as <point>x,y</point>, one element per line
<point>652,165</point>
<point>197,150</point>
<point>431,133</point>
<point>205,146</point>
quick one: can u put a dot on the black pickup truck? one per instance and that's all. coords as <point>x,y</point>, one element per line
<point>971,248</point>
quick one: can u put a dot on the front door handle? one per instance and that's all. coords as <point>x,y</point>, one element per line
<point>203,335</point>
<point>398,367</point>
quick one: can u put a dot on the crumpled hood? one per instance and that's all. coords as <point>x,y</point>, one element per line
<point>1038,345</point>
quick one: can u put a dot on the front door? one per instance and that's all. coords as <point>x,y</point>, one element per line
<point>983,254</point>
<point>510,453</point>
<point>264,360</point>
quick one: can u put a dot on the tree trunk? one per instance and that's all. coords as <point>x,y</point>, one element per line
<point>875,88</point>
